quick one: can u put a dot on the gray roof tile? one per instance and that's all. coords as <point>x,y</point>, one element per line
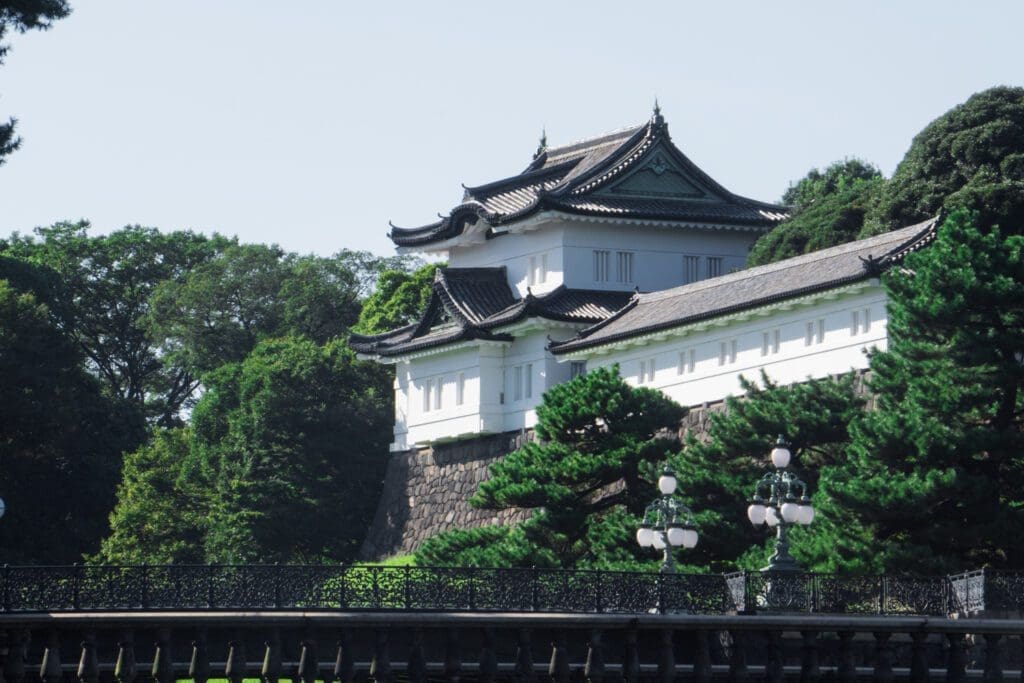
<point>754,287</point>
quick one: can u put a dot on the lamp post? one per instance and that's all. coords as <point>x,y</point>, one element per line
<point>780,501</point>
<point>667,523</point>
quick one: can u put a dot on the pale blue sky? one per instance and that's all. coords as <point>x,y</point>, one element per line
<point>311,123</point>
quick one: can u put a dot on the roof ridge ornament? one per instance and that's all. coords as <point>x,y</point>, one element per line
<point>658,119</point>
<point>542,146</point>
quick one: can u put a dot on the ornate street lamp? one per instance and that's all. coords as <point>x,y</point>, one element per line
<point>780,501</point>
<point>667,523</point>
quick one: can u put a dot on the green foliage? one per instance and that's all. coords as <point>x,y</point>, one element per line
<point>399,299</point>
<point>934,474</point>
<point>598,441</point>
<point>100,292</point>
<point>161,512</point>
<point>292,440</point>
<point>487,546</point>
<point>22,16</point>
<point>60,435</point>
<point>828,209</point>
<point>970,157</point>
<point>718,475</point>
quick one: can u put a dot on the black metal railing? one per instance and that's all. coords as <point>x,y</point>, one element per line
<point>367,587</point>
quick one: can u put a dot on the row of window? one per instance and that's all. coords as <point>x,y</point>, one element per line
<point>624,267</point>
<point>436,389</point>
<point>860,323</point>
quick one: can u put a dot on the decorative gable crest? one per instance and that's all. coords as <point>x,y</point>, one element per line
<point>659,178</point>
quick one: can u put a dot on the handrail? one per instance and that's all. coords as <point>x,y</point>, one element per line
<point>264,587</point>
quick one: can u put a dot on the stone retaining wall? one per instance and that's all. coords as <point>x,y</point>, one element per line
<point>426,490</point>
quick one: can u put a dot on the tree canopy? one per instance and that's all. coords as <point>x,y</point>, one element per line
<point>970,157</point>
<point>588,476</point>
<point>829,208</point>
<point>717,475</point>
<point>934,474</point>
<point>61,437</point>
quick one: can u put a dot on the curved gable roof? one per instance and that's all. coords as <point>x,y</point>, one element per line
<point>589,177</point>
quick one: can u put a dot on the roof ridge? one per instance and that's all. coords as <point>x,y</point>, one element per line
<point>581,144</point>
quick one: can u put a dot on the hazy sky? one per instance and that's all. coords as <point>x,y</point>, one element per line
<point>312,123</point>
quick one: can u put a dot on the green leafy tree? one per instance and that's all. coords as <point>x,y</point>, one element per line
<point>251,292</point>
<point>399,299</point>
<point>22,16</point>
<point>934,475</point>
<point>162,513</point>
<point>293,440</point>
<point>829,208</point>
<point>717,475</point>
<point>61,438</point>
<point>587,476</point>
<point>102,301</point>
<point>970,157</point>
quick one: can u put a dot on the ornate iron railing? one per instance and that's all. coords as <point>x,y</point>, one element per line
<point>374,588</point>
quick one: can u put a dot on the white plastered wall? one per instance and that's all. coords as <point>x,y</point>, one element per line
<point>565,247</point>
<point>838,351</point>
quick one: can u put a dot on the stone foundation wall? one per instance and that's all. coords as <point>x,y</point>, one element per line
<point>426,490</point>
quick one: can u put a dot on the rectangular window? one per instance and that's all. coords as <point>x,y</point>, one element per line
<point>821,330</point>
<point>721,353</point>
<point>809,337</point>
<point>691,269</point>
<point>601,263</point>
<point>531,273</point>
<point>543,277</point>
<point>732,351</point>
<point>517,383</point>
<point>776,334</point>
<point>681,366</point>
<point>693,360</point>
<point>624,271</point>
<point>577,368</point>
<point>437,393</point>
<point>427,386</point>
<point>528,380</point>
<point>867,320</point>
<point>714,266</point>
<point>642,376</point>
<point>460,389</point>
<point>650,370</point>
<point>765,346</point>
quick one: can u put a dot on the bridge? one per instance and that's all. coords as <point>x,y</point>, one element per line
<point>312,623</point>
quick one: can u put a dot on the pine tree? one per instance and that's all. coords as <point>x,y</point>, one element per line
<point>934,478</point>
<point>587,476</point>
<point>717,476</point>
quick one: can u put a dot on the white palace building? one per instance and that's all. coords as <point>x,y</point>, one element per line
<point>618,249</point>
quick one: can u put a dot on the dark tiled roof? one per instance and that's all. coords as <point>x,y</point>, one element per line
<point>470,303</point>
<point>572,178</point>
<point>754,287</point>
